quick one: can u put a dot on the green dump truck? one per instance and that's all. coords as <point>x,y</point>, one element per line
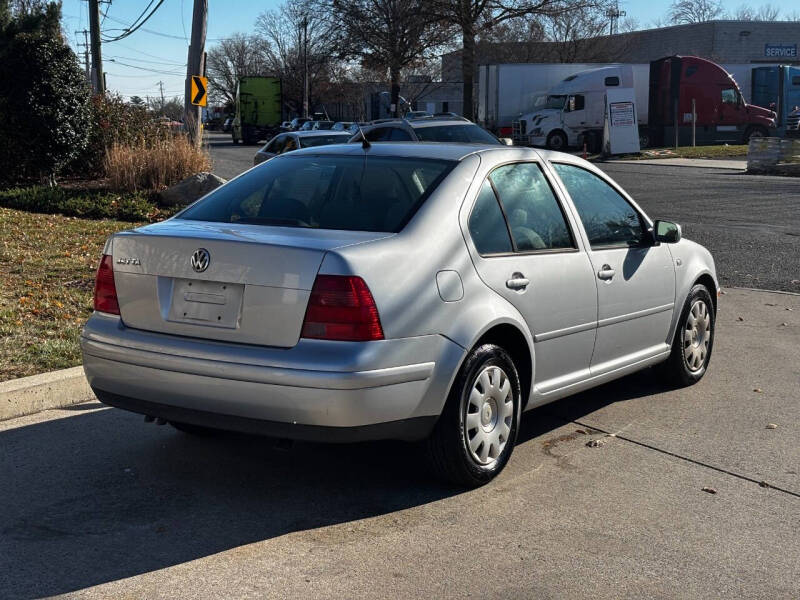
<point>259,104</point>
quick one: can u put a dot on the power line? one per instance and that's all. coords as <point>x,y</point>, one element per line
<point>159,71</point>
<point>154,62</point>
<point>138,22</point>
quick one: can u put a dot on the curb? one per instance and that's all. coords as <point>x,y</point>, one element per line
<point>657,162</point>
<point>56,389</point>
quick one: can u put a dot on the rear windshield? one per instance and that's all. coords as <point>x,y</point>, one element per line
<point>470,134</point>
<point>357,193</point>
<point>322,140</point>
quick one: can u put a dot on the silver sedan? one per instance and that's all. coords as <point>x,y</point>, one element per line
<point>295,140</point>
<point>408,291</point>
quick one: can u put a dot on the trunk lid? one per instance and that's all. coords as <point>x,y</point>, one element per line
<point>251,285</point>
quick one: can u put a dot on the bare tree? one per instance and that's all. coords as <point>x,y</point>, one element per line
<point>695,11</point>
<point>766,12</point>
<point>472,17</point>
<point>582,35</point>
<point>237,56</point>
<point>389,35</point>
<point>283,31</point>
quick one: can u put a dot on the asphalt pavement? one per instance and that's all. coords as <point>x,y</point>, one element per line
<point>97,504</point>
<point>751,223</point>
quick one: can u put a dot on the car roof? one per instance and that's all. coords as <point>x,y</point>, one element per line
<point>435,150</point>
<point>320,132</point>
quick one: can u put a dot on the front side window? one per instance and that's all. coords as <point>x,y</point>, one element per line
<point>608,218</point>
<point>291,144</point>
<point>534,215</point>
<point>729,96</point>
<point>325,192</point>
<point>487,227</point>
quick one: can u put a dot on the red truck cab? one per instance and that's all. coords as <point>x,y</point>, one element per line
<point>722,114</point>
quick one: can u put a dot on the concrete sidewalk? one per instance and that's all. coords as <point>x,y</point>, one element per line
<point>703,163</point>
<point>693,496</point>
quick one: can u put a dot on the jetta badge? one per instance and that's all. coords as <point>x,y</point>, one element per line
<point>200,260</point>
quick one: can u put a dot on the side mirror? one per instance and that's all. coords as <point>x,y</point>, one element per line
<point>667,232</point>
<point>507,141</point>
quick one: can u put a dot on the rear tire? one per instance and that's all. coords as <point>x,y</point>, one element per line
<point>693,341</point>
<point>194,429</point>
<point>475,434</point>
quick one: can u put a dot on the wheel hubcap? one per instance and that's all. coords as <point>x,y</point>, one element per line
<point>697,336</point>
<point>489,415</point>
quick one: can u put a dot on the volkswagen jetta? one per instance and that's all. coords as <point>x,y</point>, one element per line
<point>408,291</point>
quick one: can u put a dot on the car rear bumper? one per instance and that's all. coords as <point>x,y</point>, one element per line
<point>335,391</point>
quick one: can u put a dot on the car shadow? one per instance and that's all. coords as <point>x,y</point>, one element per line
<point>99,496</point>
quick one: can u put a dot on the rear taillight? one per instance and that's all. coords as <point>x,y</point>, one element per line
<point>341,308</point>
<point>105,292</point>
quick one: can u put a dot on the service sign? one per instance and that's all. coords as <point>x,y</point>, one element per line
<point>780,50</point>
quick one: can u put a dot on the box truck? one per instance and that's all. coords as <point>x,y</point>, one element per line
<point>258,106</point>
<point>664,91</point>
<point>778,88</point>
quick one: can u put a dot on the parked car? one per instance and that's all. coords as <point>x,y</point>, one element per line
<point>443,129</point>
<point>418,114</point>
<point>342,126</point>
<point>322,125</point>
<point>294,140</point>
<point>227,124</point>
<point>286,126</point>
<point>432,292</point>
<point>298,122</point>
<point>307,126</point>
<point>793,123</point>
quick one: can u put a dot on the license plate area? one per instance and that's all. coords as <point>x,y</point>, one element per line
<point>208,303</point>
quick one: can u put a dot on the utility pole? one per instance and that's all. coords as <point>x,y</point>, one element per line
<point>98,81</point>
<point>195,66</point>
<point>305,65</point>
<point>161,89</point>
<point>85,46</point>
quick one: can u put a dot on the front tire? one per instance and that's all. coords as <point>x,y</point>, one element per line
<point>557,141</point>
<point>755,132</point>
<point>475,434</point>
<point>693,342</point>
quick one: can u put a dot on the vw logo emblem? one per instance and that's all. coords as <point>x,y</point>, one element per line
<point>200,260</point>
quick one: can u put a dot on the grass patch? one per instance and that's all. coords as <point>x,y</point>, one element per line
<point>717,151</point>
<point>47,266</point>
<point>84,203</point>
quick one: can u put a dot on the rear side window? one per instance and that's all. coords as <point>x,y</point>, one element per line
<point>608,218</point>
<point>379,134</point>
<point>325,192</point>
<point>321,140</point>
<point>534,215</point>
<point>487,227</point>
<point>469,134</point>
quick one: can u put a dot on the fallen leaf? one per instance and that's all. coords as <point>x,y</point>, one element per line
<point>595,443</point>
<point>772,426</point>
<point>758,390</point>
<point>763,484</point>
<point>710,490</point>
<point>740,318</point>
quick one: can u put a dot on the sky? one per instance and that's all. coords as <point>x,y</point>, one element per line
<point>157,52</point>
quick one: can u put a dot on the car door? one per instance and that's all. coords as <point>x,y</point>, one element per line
<point>635,277</point>
<point>524,248</point>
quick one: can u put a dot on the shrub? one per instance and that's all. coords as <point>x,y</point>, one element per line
<point>95,204</point>
<point>153,165</point>
<point>44,103</point>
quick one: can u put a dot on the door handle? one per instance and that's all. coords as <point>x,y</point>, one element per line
<point>606,272</point>
<point>517,282</point>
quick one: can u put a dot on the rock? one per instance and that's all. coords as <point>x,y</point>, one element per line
<point>710,490</point>
<point>757,390</point>
<point>772,426</point>
<point>190,189</point>
<point>596,443</point>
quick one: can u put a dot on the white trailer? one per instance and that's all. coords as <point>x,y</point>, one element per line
<point>507,91</point>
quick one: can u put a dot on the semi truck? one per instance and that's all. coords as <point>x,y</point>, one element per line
<point>778,88</point>
<point>665,92</point>
<point>259,109</point>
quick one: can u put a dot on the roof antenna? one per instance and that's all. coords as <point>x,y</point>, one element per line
<point>364,141</point>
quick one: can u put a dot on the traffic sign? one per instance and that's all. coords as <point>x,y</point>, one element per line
<point>199,90</point>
